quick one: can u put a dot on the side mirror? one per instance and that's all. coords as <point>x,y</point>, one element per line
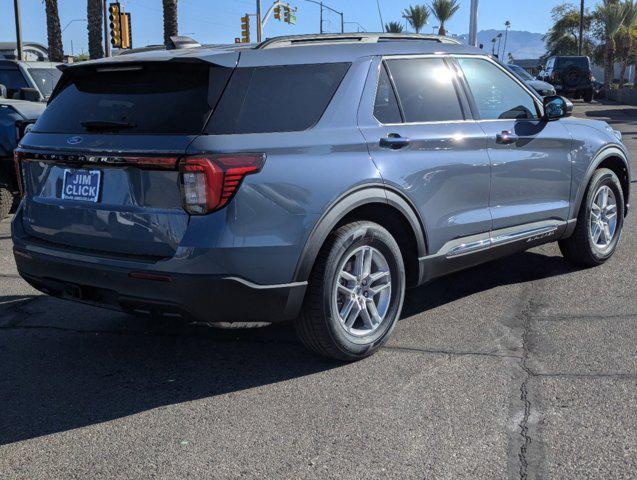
<point>556,107</point>
<point>29,94</point>
<point>3,91</point>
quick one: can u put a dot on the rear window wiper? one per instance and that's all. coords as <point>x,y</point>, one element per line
<point>105,125</point>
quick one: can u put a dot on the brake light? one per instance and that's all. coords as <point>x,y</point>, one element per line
<point>18,171</point>
<point>208,183</point>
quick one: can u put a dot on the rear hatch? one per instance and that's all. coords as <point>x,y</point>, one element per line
<point>100,165</point>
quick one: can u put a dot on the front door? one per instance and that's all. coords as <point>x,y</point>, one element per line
<point>530,157</point>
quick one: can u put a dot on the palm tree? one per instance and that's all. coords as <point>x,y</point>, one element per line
<point>443,10</point>
<point>94,17</point>
<point>170,20</point>
<point>625,37</point>
<point>417,16</point>
<point>610,16</point>
<point>54,31</point>
<point>507,25</point>
<point>563,36</point>
<point>393,27</point>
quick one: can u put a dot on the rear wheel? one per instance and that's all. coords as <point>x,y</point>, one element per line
<point>6,201</point>
<point>355,294</point>
<point>599,223</point>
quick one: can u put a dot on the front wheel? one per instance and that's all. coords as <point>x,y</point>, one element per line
<point>355,294</point>
<point>599,223</point>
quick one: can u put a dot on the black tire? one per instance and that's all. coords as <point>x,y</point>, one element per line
<point>588,96</point>
<point>579,248</point>
<point>319,326</point>
<point>6,201</point>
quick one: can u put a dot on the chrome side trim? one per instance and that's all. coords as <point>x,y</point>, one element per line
<point>503,237</point>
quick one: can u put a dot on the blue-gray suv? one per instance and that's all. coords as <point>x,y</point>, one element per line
<point>309,179</point>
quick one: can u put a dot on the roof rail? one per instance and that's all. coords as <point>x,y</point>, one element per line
<point>292,40</point>
<point>178,41</point>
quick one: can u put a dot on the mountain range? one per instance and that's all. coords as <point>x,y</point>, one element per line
<point>519,43</point>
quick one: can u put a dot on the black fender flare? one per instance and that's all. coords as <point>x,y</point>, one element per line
<point>347,202</point>
<point>610,151</point>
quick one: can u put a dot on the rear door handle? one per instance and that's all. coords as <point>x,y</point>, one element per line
<point>506,138</point>
<point>394,141</point>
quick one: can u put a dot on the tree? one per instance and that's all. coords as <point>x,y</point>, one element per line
<point>54,31</point>
<point>625,38</point>
<point>170,20</point>
<point>94,18</point>
<point>443,10</point>
<point>393,27</point>
<point>609,17</point>
<point>563,36</point>
<point>417,16</point>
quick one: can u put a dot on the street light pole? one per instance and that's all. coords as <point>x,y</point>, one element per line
<point>581,28</point>
<point>18,28</point>
<point>259,26</point>
<point>473,24</point>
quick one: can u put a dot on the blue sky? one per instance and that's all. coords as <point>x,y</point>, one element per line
<point>218,21</point>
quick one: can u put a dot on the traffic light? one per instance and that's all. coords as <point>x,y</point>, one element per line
<point>127,33</point>
<point>277,12</point>
<point>286,13</point>
<point>245,29</point>
<point>115,24</point>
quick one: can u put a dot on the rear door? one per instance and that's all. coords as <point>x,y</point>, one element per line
<point>100,164</point>
<point>530,157</point>
<point>419,132</point>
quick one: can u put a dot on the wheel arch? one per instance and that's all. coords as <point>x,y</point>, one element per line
<point>614,159</point>
<point>378,203</point>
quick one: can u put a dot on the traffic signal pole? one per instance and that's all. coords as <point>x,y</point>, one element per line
<point>107,45</point>
<point>18,28</point>
<point>259,26</point>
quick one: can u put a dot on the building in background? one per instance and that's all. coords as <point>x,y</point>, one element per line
<point>32,51</point>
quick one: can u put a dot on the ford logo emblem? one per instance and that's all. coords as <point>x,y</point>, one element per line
<point>74,140</point>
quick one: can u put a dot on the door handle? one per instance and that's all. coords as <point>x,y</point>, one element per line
<point>506,138</point>
<point>394,141</point>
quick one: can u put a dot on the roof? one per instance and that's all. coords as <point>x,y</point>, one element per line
<point>27,110</point>
<point>297,50</point>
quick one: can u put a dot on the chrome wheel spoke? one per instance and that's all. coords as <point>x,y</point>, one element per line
<point>596,232</point>
<point>362,291</point>
<point>603,220</point>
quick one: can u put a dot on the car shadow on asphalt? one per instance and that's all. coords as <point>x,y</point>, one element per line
<point>64,365</point>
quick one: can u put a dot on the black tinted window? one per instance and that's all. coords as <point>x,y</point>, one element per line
<point>276,99</point>
<point>426,89</point>
<point>386,106</point>
<point>164,99</point>
<point>579,62</point>
<point>496,94</point>
<point>13,80</point>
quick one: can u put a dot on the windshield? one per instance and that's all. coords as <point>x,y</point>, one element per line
<point>46,79</point>
<point>521,72</point>
<point>565,62</point>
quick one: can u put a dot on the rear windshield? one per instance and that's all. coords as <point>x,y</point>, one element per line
<point>276,99</point>
<point>148,99</point>
<point>46,78</point>
<point>564,62</point>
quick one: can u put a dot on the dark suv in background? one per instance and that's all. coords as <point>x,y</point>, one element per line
<point>307,179</point>
<point>570,75</point>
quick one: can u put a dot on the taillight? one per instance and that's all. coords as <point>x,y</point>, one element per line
<point>18,171</point>
<point>208,183</point>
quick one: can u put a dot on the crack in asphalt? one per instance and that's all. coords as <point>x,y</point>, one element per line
<point>524,395</point>
<point>9,275</point>
<point>450,352</point>
<point>566,318</point>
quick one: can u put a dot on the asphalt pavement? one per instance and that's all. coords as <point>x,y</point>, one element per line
<point>521,368</point>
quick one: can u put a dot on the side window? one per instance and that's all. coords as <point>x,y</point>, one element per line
<point>13,79</point>
<point>386,105</point>
<point>426,89</point>
<point>496,94</point>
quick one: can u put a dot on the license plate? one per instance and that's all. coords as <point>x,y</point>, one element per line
<point>83,185</point>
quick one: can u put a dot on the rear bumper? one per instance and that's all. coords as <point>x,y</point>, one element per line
<point>208,298</point>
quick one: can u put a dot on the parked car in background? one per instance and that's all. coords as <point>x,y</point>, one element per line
<point>543,88</point>
<point>570,75</point>
<point>24,89</point>
<point>309,179</point>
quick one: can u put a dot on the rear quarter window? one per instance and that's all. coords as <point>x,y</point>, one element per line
<point>284,98</point>
<point>150,99</point>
